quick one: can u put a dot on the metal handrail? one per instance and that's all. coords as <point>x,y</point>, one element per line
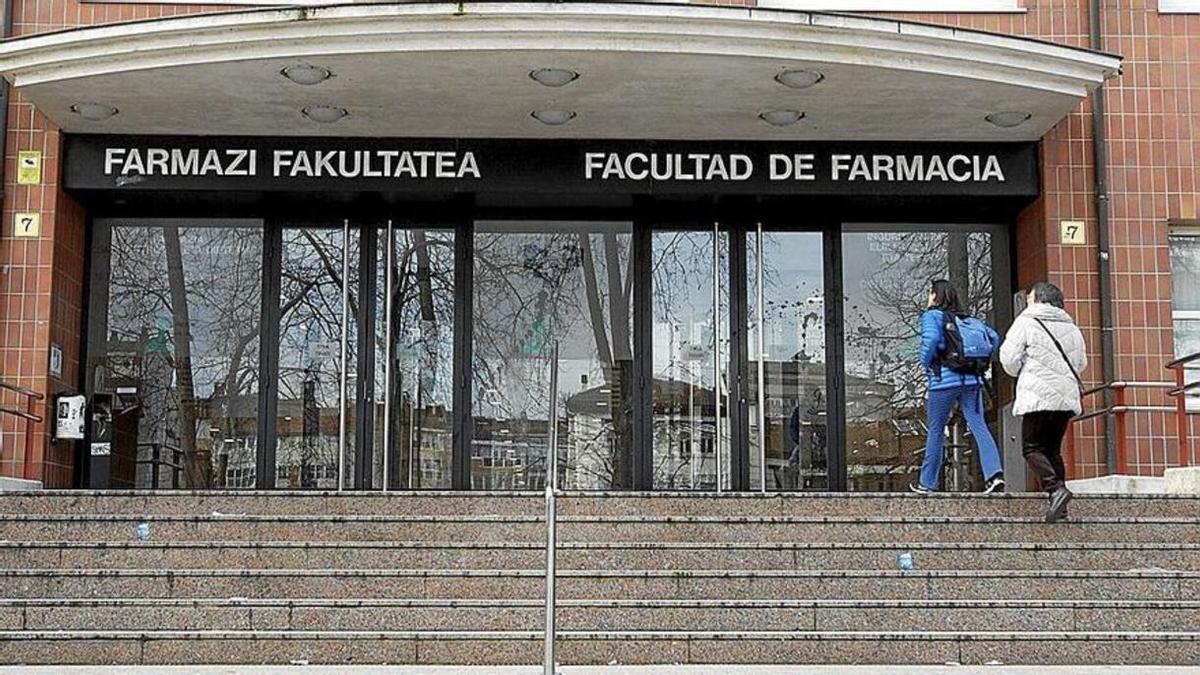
<point>1181,393</point>
<point>1117,411</point>
<point>1183,361</point>
<point>30,417</point>
<point>21,413</point>
<point>24,391</point>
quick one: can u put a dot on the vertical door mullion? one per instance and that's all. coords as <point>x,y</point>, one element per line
<point>96,472</point>
<point>268,354</point>
<point>760,357</point>
<point>464,276</point>
<point>738,367</point>
<point>364,429</point>
<point>388,341</point>
<point>643,339</point>
<point>835,355</point>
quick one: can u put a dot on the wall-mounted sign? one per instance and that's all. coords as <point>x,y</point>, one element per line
<point>29,167</point>
<point>27,224</point>
<point>56,360</point>
<point>99,162</point>
<point>1072,233</point>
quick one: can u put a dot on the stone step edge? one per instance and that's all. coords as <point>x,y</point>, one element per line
<point>635,574</point>
<point>590,519</point>
<point>615,495</point>
<point>604,545</point>
<point>873,636</point>
<point>665,603</point>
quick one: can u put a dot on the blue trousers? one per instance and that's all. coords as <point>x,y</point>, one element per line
<point>940,403</point>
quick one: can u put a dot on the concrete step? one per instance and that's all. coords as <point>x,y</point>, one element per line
<point>603,584</point>
<point>583,555</point>
<point>485,648</point>
<point>810,504</point>
<point>596,615</point>
<point>840,504</point>
<point>256,527</point>
<point>903,530</point>
<point>186,502</point>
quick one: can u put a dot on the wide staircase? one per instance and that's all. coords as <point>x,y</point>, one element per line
<point>666,578</point>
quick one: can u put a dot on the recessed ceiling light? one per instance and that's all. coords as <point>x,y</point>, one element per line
<point>781,118</point>
<point>94,112</point>
<point>1008,118</point>
<point>799,79</point>
<point>306,74</point>
<point>553,77</point>
<point>553,117</point>
<point>324,114</point>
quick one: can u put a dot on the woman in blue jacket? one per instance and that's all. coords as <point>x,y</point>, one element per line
<point>946,388</point>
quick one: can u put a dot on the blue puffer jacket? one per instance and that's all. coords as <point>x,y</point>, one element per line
<point>933,341</point>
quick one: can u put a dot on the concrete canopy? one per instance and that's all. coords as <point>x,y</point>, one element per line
<point>462,70</point>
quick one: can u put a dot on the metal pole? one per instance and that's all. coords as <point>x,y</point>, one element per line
<point>551,514</point>
<point>716,273</point>
<point>345,336</point>
<point>387,355</point>
<point>762,355</point>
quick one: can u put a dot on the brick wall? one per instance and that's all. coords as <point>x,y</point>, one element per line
<point>1153,109</point>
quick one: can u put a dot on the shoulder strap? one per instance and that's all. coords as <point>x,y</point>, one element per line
<point>1062,352</point>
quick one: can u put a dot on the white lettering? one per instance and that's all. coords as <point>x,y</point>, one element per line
<point>468,166</point>
<point>991,169</point>
<point>112,158</point>
<point>838,164</point>
<point>781,167</point>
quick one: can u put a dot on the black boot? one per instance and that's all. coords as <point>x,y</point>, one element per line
<point>1058,505</point>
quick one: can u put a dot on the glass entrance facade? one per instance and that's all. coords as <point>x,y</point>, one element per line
<point>457,353</point>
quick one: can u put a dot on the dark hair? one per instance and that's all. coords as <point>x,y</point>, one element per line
<point>945,297</point>
<point>1044,291</point>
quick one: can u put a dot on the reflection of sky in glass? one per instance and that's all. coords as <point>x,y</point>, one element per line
<point>424,348</point>
<point>222,278</point>
<point>311,324</point>
<point>886,283</point>
<point>683,304</point>
<point>793,296</point>
<point>530,292</point>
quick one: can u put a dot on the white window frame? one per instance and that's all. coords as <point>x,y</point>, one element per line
<point>1179,6</point>
<point>1177,315</point>
<point>893,6</point>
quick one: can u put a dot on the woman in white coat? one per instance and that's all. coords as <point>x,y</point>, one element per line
<point>1044,350</point>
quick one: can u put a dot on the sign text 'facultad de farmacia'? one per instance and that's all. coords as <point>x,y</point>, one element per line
<point>131,162</point>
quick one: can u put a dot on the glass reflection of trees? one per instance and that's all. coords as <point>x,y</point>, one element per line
<point>310,330</point>
<point>423,358</point>
<point>887,277</point>
<point>572,286</point>
<point>182,354</point>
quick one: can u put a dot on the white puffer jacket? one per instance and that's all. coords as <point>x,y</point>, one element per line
<point>1044,382</point>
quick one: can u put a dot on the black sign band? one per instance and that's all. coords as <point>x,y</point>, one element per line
<point>96,162</point>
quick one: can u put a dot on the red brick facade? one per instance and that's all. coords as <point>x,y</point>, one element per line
<point>1154,145</point>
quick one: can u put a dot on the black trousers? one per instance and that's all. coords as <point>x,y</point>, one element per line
<point>1042,435</point>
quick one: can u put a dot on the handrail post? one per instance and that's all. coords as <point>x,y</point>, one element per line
<point>1119,429</point>
<point>1069,451</point>
<point>1181,419</point>
<point>551,513</point>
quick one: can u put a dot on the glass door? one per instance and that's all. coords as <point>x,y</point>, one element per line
<point>788,403</point>
<point>414,358</point>
<point>318,339</point>
<point>886,272</point>
<point>552,363</point>
<point>691,439</point>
